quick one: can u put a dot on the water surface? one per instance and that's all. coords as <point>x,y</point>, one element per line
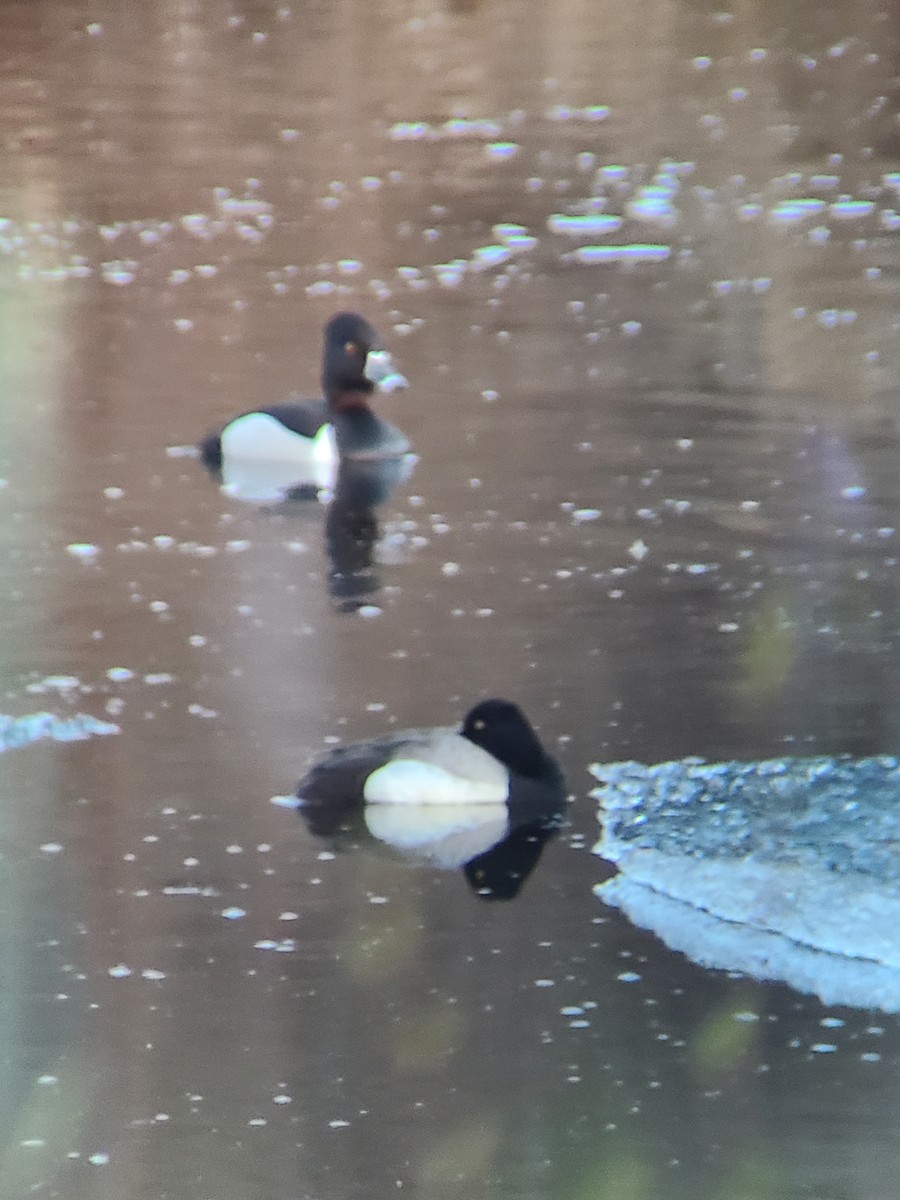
<point>655,502</point>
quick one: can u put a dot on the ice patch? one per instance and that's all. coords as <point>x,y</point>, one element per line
<point>637,252</point>
<point>21,731</point>
<point>587,225</point>
<point>791,211</point>
<point>851,210</point>
<point>780,869</point>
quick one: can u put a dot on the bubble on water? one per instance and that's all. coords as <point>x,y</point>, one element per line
<point>82,550</point>
<point>120,971</point>
<point>99,1158</point>
<point>233,913</point>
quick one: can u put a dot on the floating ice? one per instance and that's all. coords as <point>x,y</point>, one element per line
<point>198,225</point>
<point>831,317</point>
<point>636,252</point>
<point>411,131</point>
<point>459,127</point>
<point>790,211</point>
<point>516,237</point>
<point>591,112</point>
<point>588,225</point>
<point>490,256</point>
<point>846,209</point>
<point>118,273</point>
<point>781,869</point>
<point>502,150</point>
<point>22,731</point>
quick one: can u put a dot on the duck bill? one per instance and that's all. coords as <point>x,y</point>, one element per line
<point>380,370</point>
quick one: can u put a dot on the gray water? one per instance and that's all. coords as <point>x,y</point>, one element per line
<point>655,502</point>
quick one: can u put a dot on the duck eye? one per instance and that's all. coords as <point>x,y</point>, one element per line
<point>350,347</point>
<point>479,724</point>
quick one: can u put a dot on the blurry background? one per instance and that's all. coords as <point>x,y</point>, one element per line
<point>640,264</point>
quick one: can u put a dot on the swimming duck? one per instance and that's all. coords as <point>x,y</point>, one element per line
<point>494,758</point>
<point>313,435</point>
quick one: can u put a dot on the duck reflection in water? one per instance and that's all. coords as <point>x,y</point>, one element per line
<point>485,798</point>
<point>351,526</point>
<point>352,496</point>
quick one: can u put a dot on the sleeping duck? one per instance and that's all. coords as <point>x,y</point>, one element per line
<point>494,758</point>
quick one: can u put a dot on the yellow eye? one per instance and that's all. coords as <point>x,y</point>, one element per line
<point>350,347</point>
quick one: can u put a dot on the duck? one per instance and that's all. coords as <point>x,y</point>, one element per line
<point>493,758</point>
<point>309,438</point>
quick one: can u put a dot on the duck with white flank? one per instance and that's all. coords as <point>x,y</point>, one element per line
<point>494,758</point>
<point>307,438</point>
